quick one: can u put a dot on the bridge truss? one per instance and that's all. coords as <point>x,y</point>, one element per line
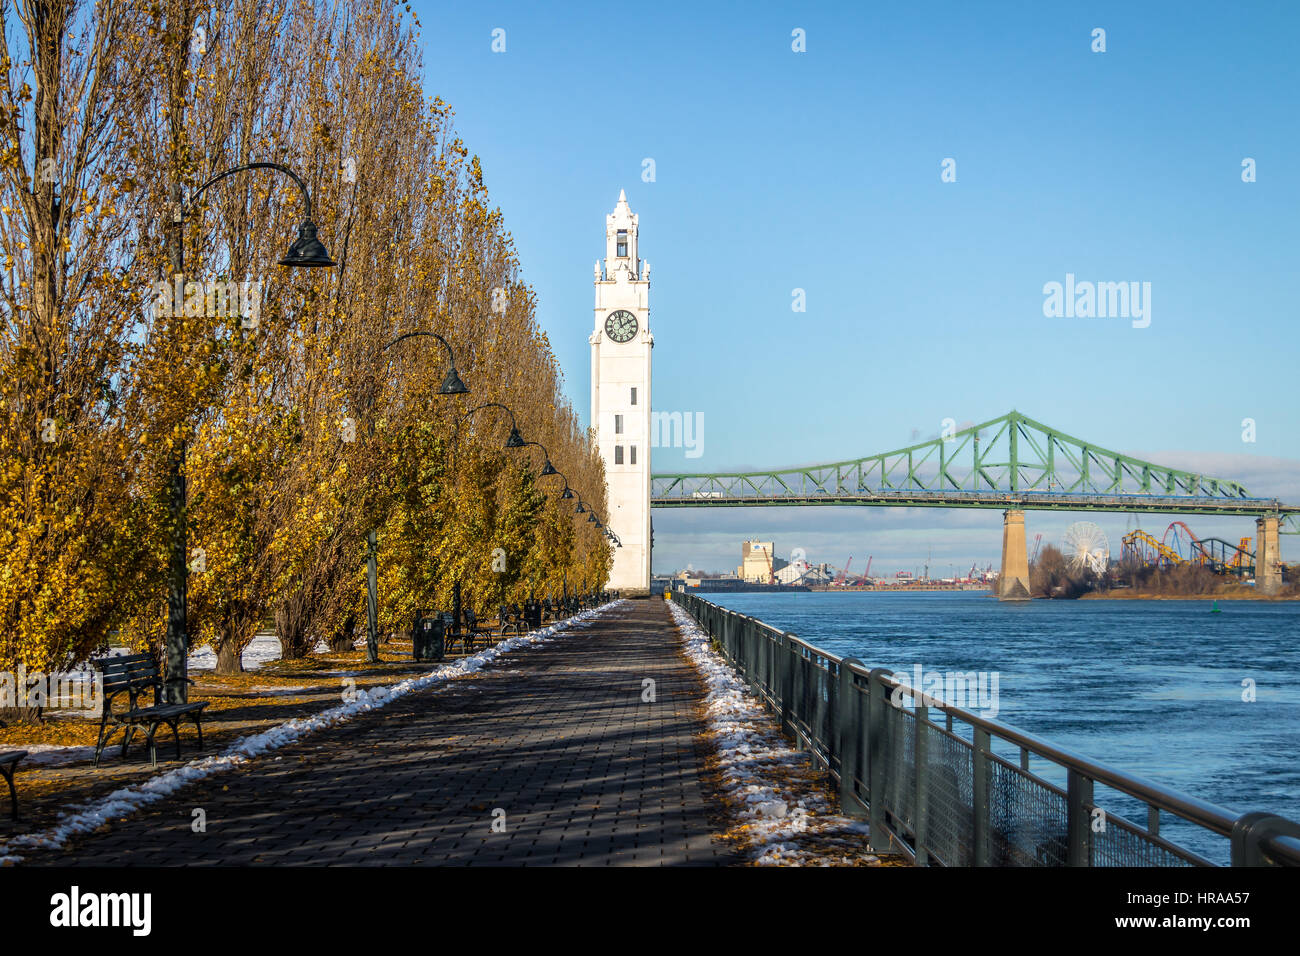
<point>1007,462</point>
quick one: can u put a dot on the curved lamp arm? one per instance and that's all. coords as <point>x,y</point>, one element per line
<point>568,492</point>
<point>306,251</point>
<point>548,468</point>
<point>451,384</point>
<point>515,440</point>
<point>302,187</point>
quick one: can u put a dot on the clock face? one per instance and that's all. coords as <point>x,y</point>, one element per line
<point>621,326</point>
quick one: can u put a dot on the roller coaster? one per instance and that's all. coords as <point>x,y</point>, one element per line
<point>1180,546</point>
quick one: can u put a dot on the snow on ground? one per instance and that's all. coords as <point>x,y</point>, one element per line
<point>784,815</point>
<point>126,801</point>
<point>54,755</point>
<point>261,650</point>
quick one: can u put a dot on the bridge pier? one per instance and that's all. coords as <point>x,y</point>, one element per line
<point>1268,557</point>
<point>1013,580</point>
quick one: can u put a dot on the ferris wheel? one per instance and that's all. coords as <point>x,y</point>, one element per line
<point>1086,547</point>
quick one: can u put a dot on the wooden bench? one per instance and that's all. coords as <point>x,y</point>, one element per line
<point>133,675</point>
<point>8,764</point>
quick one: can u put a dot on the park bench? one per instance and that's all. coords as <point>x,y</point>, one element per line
<point>473,630</point>
<point>133,675</point>
<point>466,632</point>
<point>511,621</point>
<point>8,764</point>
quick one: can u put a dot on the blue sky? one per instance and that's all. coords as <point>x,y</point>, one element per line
<point>777,170</point>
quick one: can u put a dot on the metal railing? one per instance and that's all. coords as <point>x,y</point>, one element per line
<point>930,779</point>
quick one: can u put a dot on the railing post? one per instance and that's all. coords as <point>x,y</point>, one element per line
<point>919,776</point>
<point>786,691</point>
<point>796,705</point>
<point>821,693</point>
<point>980,795</point>
<point>751,643</point>
<point>848,737</point>
<point>1078,829</point>
<point>876,729</point>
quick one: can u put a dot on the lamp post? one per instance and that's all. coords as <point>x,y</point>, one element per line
<point>306,252</point>
<point>514,440</point>
<point>451,385</point>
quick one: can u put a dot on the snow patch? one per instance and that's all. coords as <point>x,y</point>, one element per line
<point>782,818</point>
<point>263,649</point>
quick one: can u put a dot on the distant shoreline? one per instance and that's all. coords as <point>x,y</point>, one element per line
<point>1125,594</point>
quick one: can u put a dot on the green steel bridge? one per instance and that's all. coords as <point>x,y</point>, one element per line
<point>1011,462</point>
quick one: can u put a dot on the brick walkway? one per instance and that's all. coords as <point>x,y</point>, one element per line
<point>556,736</point>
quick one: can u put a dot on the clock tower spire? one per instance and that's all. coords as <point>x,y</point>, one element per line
<point>620,394</point>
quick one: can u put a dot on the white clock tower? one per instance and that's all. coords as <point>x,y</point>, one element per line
<point>620,395</point>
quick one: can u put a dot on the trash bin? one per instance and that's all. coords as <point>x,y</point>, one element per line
<point>428,639</point>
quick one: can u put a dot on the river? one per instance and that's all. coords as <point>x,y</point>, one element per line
<point>1154,688</point>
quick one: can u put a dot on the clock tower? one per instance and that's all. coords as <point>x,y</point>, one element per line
<point>620,395</point>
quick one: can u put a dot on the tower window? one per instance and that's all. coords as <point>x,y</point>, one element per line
<point>621,248</point>
<point>631,454</point>
<point>618,424</point>
<point>618,454</point>
<point>634,396</point>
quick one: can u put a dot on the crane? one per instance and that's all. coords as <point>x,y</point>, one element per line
<point>1038,540</point>
<point>771,574</point>
<point>865,579</point>
<point>840,578</point>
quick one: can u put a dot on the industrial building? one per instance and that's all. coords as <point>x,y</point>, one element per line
<point>758,562</point>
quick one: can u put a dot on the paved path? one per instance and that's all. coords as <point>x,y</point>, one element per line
<point>556,736</point>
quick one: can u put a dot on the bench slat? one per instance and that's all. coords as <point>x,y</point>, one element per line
<point>164,711</point>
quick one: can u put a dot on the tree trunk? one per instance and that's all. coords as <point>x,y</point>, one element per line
<point>343,641</point>
<point>229,658</point>
<point>291,627</point>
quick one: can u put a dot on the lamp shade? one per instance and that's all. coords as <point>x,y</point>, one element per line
<point>307,251</point>
<point>452,385</point>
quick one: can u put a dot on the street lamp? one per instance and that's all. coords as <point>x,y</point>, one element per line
<point>567,493</point>
<point>548,468</point>
<point>515,440</point>
<point>308,252</point>
<point>451,385</point>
